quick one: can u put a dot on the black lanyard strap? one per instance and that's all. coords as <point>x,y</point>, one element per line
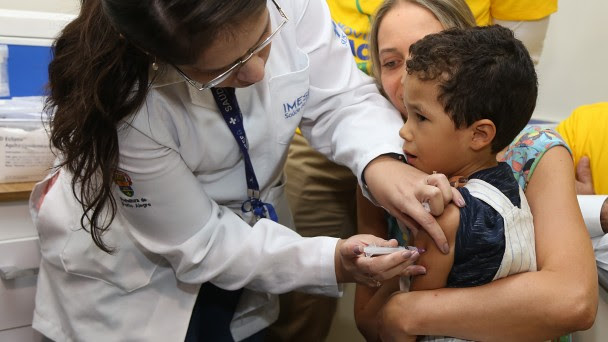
<point>225,99</point>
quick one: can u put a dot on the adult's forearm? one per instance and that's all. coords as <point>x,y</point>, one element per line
<point>368,302</point>
<point>517,308</point>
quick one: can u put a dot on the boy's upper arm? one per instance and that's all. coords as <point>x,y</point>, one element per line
<point>437,264</point>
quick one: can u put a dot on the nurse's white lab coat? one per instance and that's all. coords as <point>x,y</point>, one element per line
<point>179,222</point>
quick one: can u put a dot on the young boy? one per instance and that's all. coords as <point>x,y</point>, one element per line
<point>468,93</point>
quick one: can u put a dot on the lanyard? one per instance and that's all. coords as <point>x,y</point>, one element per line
<point>226,102</point>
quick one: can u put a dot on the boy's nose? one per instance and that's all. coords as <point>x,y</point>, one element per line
<point>405,133</point>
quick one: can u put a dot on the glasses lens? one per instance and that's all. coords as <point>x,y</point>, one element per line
<point>269,39</point>
<point>223,76</point>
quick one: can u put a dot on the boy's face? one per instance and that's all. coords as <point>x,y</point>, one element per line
<point>432,142</point>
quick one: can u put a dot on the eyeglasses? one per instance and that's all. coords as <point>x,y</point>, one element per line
<point>254,50</point>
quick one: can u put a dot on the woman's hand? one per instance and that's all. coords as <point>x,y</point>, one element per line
<point>584,181</point>
<point>352,265</point>
<point>401,189</point>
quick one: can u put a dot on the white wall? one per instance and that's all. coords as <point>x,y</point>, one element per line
<point>573,69</point>
<point>60,6</point>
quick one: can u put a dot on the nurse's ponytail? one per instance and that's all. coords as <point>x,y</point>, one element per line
<point>99,76</point>
<point>96,78</point>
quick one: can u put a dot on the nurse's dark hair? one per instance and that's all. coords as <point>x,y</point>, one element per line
<point>482,73</point>
<point>99,75</point>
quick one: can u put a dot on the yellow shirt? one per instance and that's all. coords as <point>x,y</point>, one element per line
<point>586,132</point>
<point>354,18</point>
<point>512,10</point>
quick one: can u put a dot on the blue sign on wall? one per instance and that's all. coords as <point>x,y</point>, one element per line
<point>28,70</point>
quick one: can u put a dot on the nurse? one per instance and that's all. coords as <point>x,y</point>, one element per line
<point>171,120</point>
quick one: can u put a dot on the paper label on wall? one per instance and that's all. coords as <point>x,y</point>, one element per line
<point>4,86</point>
<point>25,156</point>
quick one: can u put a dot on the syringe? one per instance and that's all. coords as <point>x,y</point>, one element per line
<point>372,250</point>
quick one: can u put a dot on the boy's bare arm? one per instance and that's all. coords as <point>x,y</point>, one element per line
<point>437,264</point>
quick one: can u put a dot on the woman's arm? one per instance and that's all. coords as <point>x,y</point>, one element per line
<point>559,298</point>
<point>368,300</point>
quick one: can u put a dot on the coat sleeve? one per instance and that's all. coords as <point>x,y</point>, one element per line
<point>346,117</point>
<point>168,213</point>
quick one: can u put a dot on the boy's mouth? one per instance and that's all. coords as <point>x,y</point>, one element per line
<point>409,156</point>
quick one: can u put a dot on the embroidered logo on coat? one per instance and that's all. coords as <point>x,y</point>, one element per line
<point>124,183</point>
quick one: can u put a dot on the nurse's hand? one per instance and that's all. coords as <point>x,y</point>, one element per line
<point>352,265</point>
<point>401,189</point>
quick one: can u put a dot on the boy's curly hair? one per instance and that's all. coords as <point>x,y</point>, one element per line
<point>483,73</point>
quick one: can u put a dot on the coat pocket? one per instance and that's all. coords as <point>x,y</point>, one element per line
<point>128,268</point>
<point>289,96</point>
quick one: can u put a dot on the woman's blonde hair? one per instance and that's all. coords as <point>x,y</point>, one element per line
<point>450,13</point>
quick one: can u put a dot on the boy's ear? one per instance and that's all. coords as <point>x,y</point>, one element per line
<point>484,132</point>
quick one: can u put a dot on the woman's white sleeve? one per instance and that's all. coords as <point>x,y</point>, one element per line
<point>346,118</point>
<point>591,206</point>
<point>168,212</point>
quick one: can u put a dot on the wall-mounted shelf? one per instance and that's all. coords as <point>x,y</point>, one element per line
<point>15,191</point>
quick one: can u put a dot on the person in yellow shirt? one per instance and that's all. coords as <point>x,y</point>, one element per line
<point>528,19</point>
<point>321,194</point>
<point>585,132</point>
<point>354,18</point>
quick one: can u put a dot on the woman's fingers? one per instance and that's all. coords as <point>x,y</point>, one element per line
<point>448,192</point>
<point>401,189</point>
<point>383,267</point>
<point>425,221</point>
<point>372,270</point>
<point>432,199</point>
<point>440,181</point>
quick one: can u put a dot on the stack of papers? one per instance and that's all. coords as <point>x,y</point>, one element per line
<point>25,153</point>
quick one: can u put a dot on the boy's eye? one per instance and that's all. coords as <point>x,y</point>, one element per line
<point>420,117</point>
